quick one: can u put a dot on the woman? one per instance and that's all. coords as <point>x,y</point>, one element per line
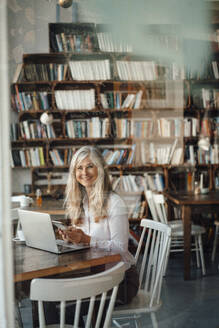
<point>98,215</point>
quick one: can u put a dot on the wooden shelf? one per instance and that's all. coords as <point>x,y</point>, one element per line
<point>153,89</point>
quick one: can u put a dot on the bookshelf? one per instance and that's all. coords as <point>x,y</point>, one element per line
<point>145,114</point>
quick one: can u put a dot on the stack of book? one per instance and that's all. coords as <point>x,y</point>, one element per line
<point>90,69</point>
<point>137,70</point>
<point>75,99</point>
<point>108,43</point>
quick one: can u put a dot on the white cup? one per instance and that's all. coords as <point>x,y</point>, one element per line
<point>25,201</point>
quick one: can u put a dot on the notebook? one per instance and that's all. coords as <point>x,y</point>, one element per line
<point>39,233</point>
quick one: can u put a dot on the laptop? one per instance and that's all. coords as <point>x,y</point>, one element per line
<point>39,233</point>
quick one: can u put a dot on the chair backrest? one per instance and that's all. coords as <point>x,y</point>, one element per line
<point>154,245</point>
<point>159,202</point>
<point>78,289</point>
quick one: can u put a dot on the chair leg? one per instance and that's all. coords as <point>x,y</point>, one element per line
<point>167,259</point>
<point>197,251</point>
<point>116,324</point>
<point>201,255</point>
<point>214,244</point>
<point>154,320</point>
<point>18,318</point>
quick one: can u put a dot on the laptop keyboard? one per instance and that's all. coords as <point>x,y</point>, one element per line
<point>62,245</point>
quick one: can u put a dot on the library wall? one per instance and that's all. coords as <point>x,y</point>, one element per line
<point>28,33</point>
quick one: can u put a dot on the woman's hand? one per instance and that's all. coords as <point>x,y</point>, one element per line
<point>73,235</point>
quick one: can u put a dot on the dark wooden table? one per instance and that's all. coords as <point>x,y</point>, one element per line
<point>189,202</point>
<point>50,206</point>
<point>31,263</point>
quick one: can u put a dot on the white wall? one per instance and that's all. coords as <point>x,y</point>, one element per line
<point>28,33</point>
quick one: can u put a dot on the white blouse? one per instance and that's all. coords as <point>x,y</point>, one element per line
<point>112,232</point>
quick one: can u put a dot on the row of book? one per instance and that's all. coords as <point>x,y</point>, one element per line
<point>57,157</point>
<point>101,70</point>
<point>104,38</point>
<point>142,128</point>
<point>127,183</point>
<point>74,42</point>
<point>148,71</point>
<point>108,43</point>
<point>97,127</point>
<point>94,127</point>
<point>90,69</point>
<point>195,155</point>
<point>137,70</point>
<point>75,99</point>
<point>33,129</point>
<point>176,127</point>
<point>138,183</point>
<point>210,126</point>
<point>24,101</point>
<point>157,153</point>
<point>121,100</point>
<point>121,127</point>
<point>154,182</point>
<point>45,72</point>
<point>164,127</point>
<point>119,156</point>
<point>207,70</point>
<point>31,157</point>
<point>130,70</point>
<point>34,156</point>
<point>206,98</point>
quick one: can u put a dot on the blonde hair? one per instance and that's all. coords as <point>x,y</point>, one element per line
<point>75,192</point>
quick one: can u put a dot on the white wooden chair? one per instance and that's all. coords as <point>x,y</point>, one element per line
<point>158,210</point>
<point>154,244</point>
<point>77,289</point>
<point>216,236</point>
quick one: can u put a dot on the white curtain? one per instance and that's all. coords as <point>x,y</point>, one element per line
<point>6,269</point>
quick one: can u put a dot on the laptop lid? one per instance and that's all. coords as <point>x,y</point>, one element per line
<point>38,232</point>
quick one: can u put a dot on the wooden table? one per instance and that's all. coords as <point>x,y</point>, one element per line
<point>50,206</point>
<point>189,202</point>
<point>31,263</point>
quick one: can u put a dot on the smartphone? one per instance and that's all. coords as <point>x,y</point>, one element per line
<point>59,225</point>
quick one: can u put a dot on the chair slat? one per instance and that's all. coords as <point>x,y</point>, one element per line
<point>90,312</point>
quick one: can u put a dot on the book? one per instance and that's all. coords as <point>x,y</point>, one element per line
<point>18,75</point>
<point>138,99</point>
<point>129,101</point>
<point>172,151</point>
<point>114,157</point>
